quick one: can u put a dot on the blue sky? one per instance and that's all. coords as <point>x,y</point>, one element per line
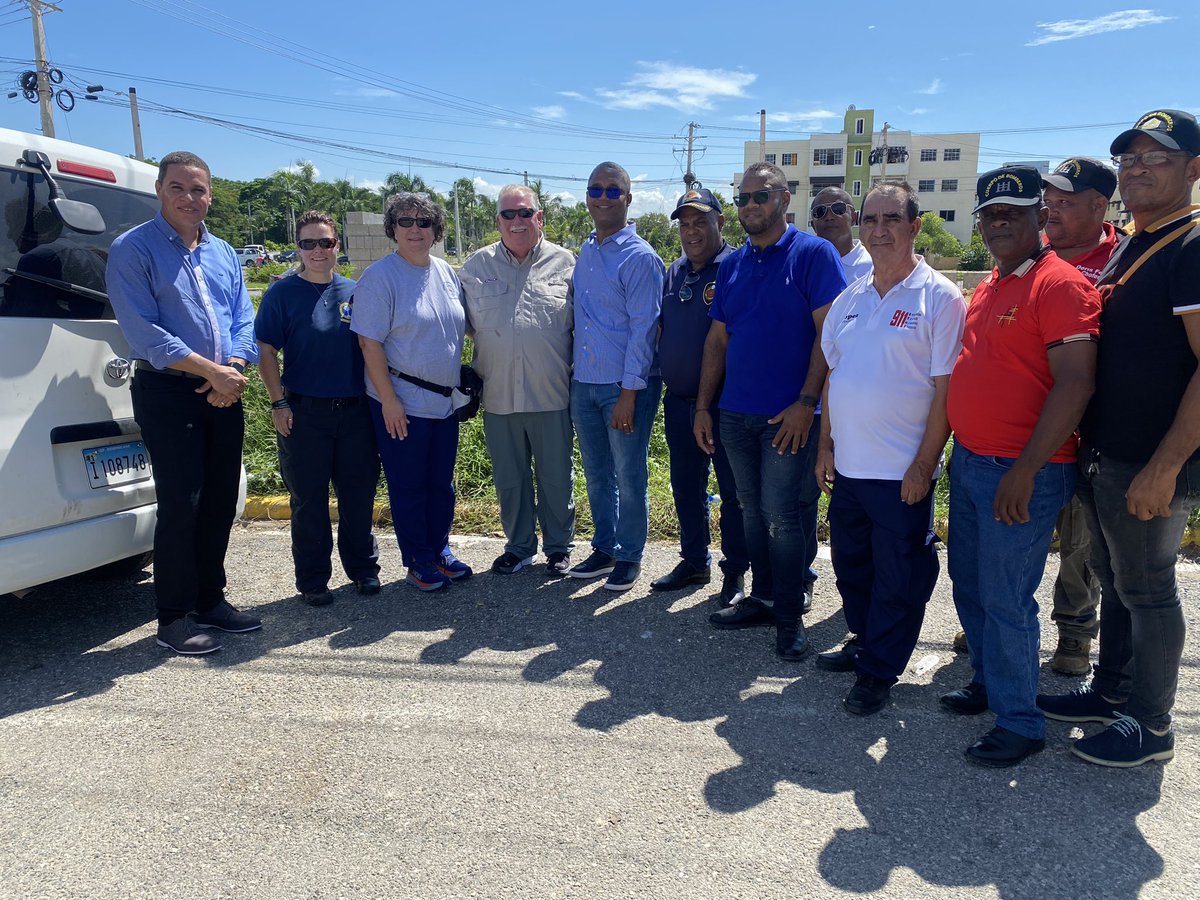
<point>363,88</point>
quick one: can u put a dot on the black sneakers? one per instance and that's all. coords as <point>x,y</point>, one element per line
<point>599,563</point>
<point>225,618</point>
<point>184,637</point>
<point>509,563</point>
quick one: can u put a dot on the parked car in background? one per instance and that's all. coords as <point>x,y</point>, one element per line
<point>249,256</point>
<point>287,256</point>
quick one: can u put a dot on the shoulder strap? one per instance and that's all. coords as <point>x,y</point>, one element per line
<point>1158,245</point>
<point>422,383</point>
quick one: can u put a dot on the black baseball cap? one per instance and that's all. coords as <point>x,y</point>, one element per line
<point>1080,173</point>
<point>1014,185</point>
<point>1173,128</point>
<point>700,198</point>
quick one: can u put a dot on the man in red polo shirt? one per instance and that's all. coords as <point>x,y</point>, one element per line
<point>1077,195</point>
<point>1017,392</point>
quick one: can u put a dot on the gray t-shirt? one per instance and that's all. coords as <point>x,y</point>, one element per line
<point>417,314</point>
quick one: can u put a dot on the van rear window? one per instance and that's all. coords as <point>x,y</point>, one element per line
<point>34,243</point>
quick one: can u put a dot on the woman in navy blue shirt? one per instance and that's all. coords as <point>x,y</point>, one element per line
<point>320,413</point>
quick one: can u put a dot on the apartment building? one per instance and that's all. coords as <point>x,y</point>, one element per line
<point>942,167</point>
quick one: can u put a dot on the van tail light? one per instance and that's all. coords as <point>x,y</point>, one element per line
<point>66,167</point>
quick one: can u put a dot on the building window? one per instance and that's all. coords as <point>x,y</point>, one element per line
<point>949,184</point>
<point>946,215</point>
<point>793,187</point>
<point>857,189</point>
<point>952,154</point>
<point>928,156</point>
<point>770,157</point>
<point>791,218</point>
<point>857,158</point>
<point>859,124</point>
<point>827,156</point>
<point>925,184</point>
<point>789,159</point>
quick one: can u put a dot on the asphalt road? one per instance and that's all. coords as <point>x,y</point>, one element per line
<point>528,737</point>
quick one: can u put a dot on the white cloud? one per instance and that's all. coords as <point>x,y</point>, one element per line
<point>550,112</point>
<point>371,184</point>
<point>642,177</point>
<point>793,118</point>
<point>1069,29</point>
<point>917,111</point>
<point>294,168</point>
<point>650,200</point>
<point>567,198</point>
<point>935,87</point>
<point>486,188</point>
<point>870,28</point>
<point>677,87</point>
<point>574,95</point>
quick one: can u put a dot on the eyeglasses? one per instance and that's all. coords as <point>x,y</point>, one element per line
<point>759,197</point>
<point>685,292</point>
<point>510,214</point>
<point>838,209</point>
<point>314,243</point>
<point>612,193</point>
<point>409,222</point>
<point>1151,158</point>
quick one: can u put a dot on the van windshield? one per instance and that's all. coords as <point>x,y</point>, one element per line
<point>43,264</point>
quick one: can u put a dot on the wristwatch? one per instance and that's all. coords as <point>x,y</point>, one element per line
<point>807,400</point>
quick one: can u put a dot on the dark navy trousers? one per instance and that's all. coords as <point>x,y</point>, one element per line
<point>885,562</point>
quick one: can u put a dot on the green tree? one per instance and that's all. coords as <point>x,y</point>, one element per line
<point>976,257</point>
<point>659,232</point>
<point>935,240</point>
<point>733,232</point>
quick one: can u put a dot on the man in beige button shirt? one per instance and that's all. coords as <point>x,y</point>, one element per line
<point>518,300</point>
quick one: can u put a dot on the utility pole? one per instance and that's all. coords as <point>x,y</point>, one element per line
<point>45,92</point>
<point>249,217</point>
<point>689,177</point>
<point>526,174</point>
<point>762,135</point>
<point>457,229</point>
<point>883,158</point>
<point>137,125</point>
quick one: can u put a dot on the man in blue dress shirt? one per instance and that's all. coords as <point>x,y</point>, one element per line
<point>615,388</point>
<point>182,303</point>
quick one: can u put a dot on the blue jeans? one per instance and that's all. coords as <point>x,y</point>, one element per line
<point>769,488</point>
<point>689,484</point>
<point>420,482</point>
<point>995,568</point>
<point>1141,622</point>
<point>616,465</point>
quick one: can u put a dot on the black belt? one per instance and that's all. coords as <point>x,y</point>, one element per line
<point>142,366</point>
<point>323,402</point>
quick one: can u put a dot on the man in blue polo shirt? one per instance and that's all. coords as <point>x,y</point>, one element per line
<point>615,388</point>
<point>181,301</point>
<point>691,284</point>
<point>771,299</point>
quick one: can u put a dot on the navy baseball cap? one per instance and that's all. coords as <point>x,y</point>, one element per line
<point>1173,128</point>
<point>1080,173</point>
<point>700,198</point>
<point>1014,185</point>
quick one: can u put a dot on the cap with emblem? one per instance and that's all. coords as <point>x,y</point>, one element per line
<point>700,198</point>
<point>1173,128</point>
<point>1014,185</point>
<point>1080,174</point>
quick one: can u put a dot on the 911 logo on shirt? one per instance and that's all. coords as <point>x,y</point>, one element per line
<point>902,318</point>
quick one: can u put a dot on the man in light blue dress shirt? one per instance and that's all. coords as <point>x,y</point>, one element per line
<point>181,301</point>
<point>615,389</point>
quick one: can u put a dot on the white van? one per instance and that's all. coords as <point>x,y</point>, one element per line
<point>76,484</point>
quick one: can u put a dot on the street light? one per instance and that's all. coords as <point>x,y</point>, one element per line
<point>94,89</point>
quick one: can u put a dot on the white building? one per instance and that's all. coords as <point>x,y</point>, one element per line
<point>942,167</point>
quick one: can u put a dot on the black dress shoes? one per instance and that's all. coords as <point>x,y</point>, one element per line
<point>840,660</point>
<point>1000,748</point>
<point>868,696</point>
<point>681,576</point>
<point>733,589</point>
<point>791,643</point>
<point>968,701</point>
<point>750,613</point>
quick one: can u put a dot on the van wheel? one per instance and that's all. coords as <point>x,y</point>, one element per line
<point>126,568</point>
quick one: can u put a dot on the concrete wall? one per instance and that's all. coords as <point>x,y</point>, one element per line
<point>365,240</point>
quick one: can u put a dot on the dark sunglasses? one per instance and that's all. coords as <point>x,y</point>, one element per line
<point>314,243</point>
<point>524,212</point>
<point>409,222</point>
<point>838,209</point>
<point>759,197</point>
<point>685,292</point>
<point>612,193</point>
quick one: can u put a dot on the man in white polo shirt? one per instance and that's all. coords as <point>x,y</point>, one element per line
<point>891,340</point>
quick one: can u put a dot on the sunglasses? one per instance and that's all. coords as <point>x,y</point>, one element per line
<point>838,209</point>
<point>759,197</point>
<point>612,193</point>
<point>510,214</point>
<point>1151,158</point>
<point>409,222</point>
<point>685,292</point>
<point>314,243</point>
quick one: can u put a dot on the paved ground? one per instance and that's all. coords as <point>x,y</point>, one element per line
<point>526,737</point>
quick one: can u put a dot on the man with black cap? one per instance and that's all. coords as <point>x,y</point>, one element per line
<point>1016,394</point>
<point>687,296</point>
<point>1077,196</point>
<point>1139,460</point>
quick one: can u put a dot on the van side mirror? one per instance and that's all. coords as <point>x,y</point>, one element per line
<point>74,214</point>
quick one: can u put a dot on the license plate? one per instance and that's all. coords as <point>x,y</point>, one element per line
<point>116,464</point>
